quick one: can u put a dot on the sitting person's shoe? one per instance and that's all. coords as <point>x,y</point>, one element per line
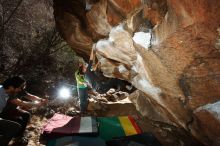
<point>21,141</point>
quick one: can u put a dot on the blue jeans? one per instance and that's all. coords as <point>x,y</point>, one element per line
<point>83,98</point>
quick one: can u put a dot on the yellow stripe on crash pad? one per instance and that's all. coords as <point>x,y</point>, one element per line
<point>127,125</point>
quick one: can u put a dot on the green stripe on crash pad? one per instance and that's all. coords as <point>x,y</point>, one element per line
<point>110,127</point>
<point>77,141</point>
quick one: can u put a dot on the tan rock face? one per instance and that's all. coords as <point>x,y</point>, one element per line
<point>208,117</point>
<point>72,25</point>
<point>185,13</point>
<point>118,63</point>
<point>155,11</point>
<point>124,6</point>
<point>179,76</point>
<point>82,22</point>
<point>100,27</point>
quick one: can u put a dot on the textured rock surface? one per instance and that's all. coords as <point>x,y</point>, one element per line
<point>179,74</point>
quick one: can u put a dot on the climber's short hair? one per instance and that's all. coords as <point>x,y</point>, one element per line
<point>15,82</point>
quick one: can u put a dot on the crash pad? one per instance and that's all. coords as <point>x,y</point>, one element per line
<point>143,139</point>
<point>110,127</point>
<point>62,125</point>
<point>77,141</point>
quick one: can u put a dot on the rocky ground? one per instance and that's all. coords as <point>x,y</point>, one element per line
<point>110,104</point>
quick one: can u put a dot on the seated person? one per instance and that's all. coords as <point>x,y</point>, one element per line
<point>16,107</point>
<point>8,129</point>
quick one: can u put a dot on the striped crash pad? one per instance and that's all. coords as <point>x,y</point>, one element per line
<point>110,127</point>
<point>77,141</point>
<point>62,125</point>
<point>143,139</point>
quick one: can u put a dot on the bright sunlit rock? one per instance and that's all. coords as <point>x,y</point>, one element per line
<point>64,93</point>
<point>142,39</point>
<point>36,102</point>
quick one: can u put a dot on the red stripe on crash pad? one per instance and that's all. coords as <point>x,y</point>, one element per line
<point>137,128</point>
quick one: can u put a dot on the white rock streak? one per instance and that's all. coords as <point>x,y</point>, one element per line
<point>213,108</point>
<point>119,47</point>
<point>142,39</point>
<point>142,81</point>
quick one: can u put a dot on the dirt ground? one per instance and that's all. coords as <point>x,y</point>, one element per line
<point>168,135</point>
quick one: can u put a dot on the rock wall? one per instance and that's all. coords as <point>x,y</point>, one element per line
<point>179,73</point>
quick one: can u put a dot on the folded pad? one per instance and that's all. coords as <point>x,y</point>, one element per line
<point>62,125</point>
<point>110,127</point>
<point>77,141</point>
<point>143,139</point>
